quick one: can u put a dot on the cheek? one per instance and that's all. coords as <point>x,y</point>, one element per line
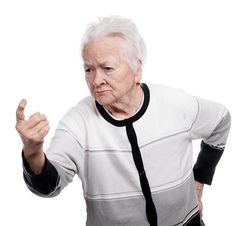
<point>89,82</point>
<point>90,86</point>
<point>127,79</point>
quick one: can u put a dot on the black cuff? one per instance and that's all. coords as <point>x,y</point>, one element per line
<point>207,161</point>
<point>45,182</point>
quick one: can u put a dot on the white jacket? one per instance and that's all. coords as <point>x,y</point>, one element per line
<point>98,148</point>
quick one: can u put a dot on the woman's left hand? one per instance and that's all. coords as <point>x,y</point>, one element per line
<point>199,189</point>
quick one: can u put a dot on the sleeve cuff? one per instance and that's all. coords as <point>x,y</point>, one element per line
<point>43,183</point>
<point>207,161</point>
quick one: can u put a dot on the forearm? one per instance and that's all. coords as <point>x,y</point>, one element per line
<point>35,159</point>
<point>207,161</point>
<point>44,183</point>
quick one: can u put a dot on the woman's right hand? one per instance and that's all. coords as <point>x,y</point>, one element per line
<point>32,133</point>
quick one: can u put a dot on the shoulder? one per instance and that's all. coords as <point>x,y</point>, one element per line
<point>82,109</point>
<point>167,94</point>
<point>77,116</point>
<point>174,101</point>
<point>164,91</point>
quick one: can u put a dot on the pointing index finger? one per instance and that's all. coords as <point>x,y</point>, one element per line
<point>20,110</point>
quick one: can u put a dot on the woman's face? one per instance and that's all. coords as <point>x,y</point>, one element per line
<point>108,75</point>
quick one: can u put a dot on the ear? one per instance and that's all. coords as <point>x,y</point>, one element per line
<point>138,73</point>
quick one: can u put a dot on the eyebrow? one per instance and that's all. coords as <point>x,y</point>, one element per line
<point>100,64</point>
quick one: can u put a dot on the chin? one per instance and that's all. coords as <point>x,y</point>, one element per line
<point>104,100</point>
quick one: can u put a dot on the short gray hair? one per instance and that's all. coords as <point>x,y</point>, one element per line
<point>134,47</point>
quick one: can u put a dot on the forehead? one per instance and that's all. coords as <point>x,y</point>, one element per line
<point>106,49</point>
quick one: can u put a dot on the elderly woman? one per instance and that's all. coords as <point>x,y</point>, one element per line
<point>130,143</point>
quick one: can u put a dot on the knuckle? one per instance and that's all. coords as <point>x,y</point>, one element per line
<point>34,119</point>
<point>45,123</point>
<point>37,117</point>
<point>17,127</point>
<point>45,129</point>
<point>43,116</point>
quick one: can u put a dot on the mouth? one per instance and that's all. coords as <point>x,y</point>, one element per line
<point>101,92</point>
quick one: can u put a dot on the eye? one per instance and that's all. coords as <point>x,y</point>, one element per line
<point>87,70</point>
<point>108,68</point>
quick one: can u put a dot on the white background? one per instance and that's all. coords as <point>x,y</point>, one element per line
<point>191,45</point>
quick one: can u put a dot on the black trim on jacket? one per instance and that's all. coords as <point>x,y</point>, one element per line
<point>207,161</point>
<point>194,221</point>
<point>132,119</point>
<point>45,182</point>
<point>151,212</point>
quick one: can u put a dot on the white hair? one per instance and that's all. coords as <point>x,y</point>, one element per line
<point>134,48</point>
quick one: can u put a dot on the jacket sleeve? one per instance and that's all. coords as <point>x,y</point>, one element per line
<point>62,162</point>
<point>64,158</point>
<point>43,184</point>
<point>212,125</point>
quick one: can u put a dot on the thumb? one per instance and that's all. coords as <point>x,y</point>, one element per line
<point>20,110</point>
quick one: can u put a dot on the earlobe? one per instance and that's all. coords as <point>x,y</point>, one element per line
<point>137,79</point>
<point>138,76</point>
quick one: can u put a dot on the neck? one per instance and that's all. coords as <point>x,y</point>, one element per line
<point>128,104</point>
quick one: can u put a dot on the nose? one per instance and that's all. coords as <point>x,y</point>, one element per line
<point>99,78</point>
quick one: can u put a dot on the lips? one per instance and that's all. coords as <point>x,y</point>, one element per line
<point>100,92</point>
